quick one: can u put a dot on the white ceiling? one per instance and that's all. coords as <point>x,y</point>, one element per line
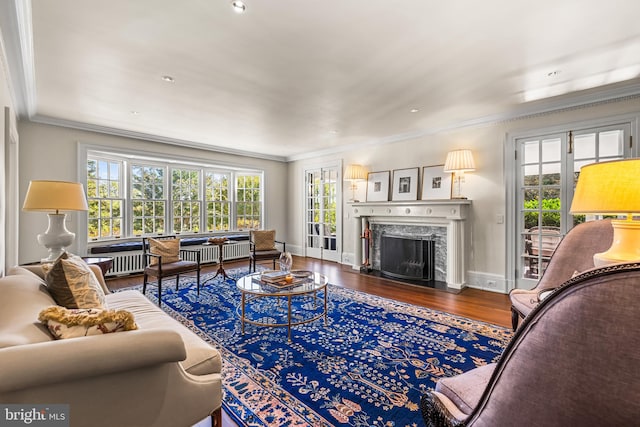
<point>295,78</point>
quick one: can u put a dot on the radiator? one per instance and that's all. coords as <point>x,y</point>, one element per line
<point>131,261</point>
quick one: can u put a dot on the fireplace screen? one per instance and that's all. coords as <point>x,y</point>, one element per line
<point>407,257</point>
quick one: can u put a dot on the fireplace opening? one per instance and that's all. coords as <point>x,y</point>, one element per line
<point>408,257</point>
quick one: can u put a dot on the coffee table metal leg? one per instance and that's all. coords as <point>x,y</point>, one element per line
<point>242,312</point>
<point>326,292</point>
<point>289,315</point>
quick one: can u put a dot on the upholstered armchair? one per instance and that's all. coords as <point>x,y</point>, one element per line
<point>162,257</point>
<point>574,254</point>
<point>262,246</point>
<point>573,362</point>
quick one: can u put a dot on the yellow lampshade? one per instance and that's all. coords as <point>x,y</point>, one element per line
<point>459,161</point>
<point>608,188</point>
<point>611,188</point>
<point>50,196</point>
<point>355,173</point>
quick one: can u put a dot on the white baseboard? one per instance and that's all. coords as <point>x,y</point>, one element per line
<point>486,282</point>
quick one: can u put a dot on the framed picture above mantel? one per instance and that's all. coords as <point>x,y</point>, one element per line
<point>378,186</point>
<point>436,184</point>
<point>405,184</point>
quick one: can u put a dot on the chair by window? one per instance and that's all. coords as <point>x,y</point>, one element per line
<point>162,257</point>
<point>539,245</point>
<point>572,255</point>
<point>262,246</point>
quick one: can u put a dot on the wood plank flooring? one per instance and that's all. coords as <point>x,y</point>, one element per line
<point>475,304</point>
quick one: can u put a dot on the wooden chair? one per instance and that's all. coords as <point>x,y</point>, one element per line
<point>162,257</point>
<point>539,246</point>
<point>262,246</point>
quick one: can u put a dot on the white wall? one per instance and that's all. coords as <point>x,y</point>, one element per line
<point>7,131</point>
<point>50,152</point>
<point>485,187</point>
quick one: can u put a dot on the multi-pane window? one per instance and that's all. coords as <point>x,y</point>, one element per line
<point>248,201</point>
<point>131,196</point>
<point>148,200</point>
<point>185,200</point>
<point>548,170</point>
<point>105,198</point>
<point>218,203</point>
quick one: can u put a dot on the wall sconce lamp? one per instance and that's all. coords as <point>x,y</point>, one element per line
<point>459,162</point>
<point>354,173</point>
<point>53,197</point>
<point>611,188</point>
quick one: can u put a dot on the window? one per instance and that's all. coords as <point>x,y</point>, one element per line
<point>185,200</point>
<point>548,169</point>
<point>105,198</point>
<point>132,195</point>
<point>148,199</point>
<point>248,202</point>
<point>217,200</point>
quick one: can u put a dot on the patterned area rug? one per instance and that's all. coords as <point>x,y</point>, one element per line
<point>367,367</point>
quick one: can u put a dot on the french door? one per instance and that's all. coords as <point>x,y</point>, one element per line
<point>322,212</point>
<point>547,170</point>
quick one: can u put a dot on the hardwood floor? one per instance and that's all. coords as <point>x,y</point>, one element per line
<point>475,304</point>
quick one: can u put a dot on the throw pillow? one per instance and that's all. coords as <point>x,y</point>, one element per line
<point>168,249</point>
<point>72,284</point>
<point>264,239</point>
<point>72,323</point>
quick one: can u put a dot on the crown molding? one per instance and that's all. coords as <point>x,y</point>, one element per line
<point>15,21</point>
<point>150,137</point>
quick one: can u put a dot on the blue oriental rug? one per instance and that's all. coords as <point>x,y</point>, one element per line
<point>367,367</point>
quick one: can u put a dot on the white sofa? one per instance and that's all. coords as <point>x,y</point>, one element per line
<point>161,374</point>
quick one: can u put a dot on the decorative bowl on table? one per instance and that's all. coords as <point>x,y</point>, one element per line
<point>217,240</point>
<point>301,273</point>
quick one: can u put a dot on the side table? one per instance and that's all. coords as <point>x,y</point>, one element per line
<point>220,243</point>
<point>105,263</point>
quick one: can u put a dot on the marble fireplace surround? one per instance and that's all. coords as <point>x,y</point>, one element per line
<point>446,219</point>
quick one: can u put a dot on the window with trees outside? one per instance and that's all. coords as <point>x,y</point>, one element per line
<point>105,198</point>
<point>248,201</point>
<point>129,196</point>
<point>218,202</point>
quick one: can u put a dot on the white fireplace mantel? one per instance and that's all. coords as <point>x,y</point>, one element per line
<point>451,214</point>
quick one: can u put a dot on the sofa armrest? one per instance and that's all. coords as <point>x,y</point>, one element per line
<point>34,365</point>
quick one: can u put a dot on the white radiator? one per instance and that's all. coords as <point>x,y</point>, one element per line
<point>131,261</point>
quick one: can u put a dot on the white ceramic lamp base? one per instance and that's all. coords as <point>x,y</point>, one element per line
<point>56,238</point>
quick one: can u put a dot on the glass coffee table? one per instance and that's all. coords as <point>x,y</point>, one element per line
<point>305,284</point>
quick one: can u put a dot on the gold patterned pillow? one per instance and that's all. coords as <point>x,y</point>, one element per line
<point>264,239</point>
<point>72,284</point>
<point>82,322</point>
<point>168,249</point>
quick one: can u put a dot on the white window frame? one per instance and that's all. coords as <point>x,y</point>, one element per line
<point>511,164</point>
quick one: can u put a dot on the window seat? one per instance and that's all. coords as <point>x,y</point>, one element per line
<point>137,245</point>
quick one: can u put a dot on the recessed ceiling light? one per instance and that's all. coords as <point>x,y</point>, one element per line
<point>168,79</point>
<point>135,113</point>
<point>414,110</point>
<point>238,6</point>
<point>333,132</point>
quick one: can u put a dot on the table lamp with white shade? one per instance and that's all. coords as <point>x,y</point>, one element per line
<point>354,173</point>
<point>459,162</point>
<point>612,188</point>
<point>53,197</point>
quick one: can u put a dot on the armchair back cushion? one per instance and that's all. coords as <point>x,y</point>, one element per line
<point>264,240</point>
<point>168,249</point>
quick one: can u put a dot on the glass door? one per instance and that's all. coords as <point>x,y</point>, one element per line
<point>548,169</point>
<point>321,213</point>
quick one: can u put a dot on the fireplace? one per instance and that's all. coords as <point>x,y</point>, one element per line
<point>408,256</point>
<point>443,219</point>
